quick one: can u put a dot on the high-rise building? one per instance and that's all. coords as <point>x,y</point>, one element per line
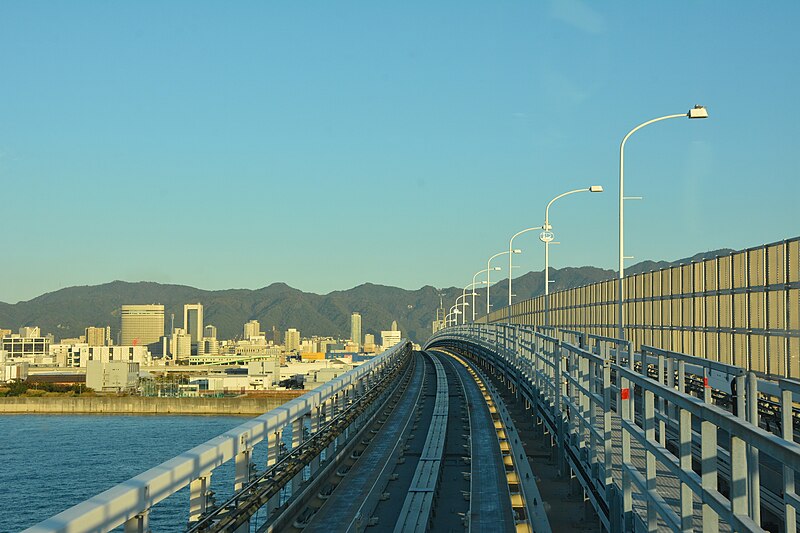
<point>252,329</point>
<point>181,347</point>
<point>95,336</point>
<point>355,328</point>
<point>141,324</point>
<point>291,340</point>
<point>193,322</point>
<point>210,332</point>
<point>275,336</point>
<point>369,343</point>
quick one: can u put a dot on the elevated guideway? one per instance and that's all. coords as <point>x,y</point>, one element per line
<point>611,421</point>
<point>435,464</point>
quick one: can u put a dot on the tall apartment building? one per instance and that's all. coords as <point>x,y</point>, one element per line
<point>141,324</point>
<point>369,343</point>
<point>291,340</point>
<point>210,332</point>
<point>252,329</point>
<point>193,323</point>
<point>355,328</point>
<point>181,346</point>
<point>95,336</point>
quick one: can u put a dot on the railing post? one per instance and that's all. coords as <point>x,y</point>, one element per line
<point>559,391</point>
<point>685,452</point>
<point>739,477</point>
<point>198,496</point>
<point>790,513</point>
<point>754,477</point>
<point>139,523</point>
<point>298,427</point>
<point>632,401</point>
<point>648,420</point>
<point>608,451</point>
<point>708,469</point>
<point>242,464</point>
<point>316,421</point>
<point>273,448</point>
<point>662,425</point>
<point>625,405</point>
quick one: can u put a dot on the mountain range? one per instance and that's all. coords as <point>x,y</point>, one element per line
<point>67,312</point>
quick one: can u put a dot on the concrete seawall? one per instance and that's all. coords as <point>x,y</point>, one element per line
<point>139,405</point>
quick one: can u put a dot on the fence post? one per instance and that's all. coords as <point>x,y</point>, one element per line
<point>790,513</point>
<point>754,477</point>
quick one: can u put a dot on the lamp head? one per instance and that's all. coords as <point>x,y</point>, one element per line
<point>517,251</point>
<point>496,268</point>
<point>596,188</point>
<point>698,111</point>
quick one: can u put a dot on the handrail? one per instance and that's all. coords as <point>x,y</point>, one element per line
<point>129,499</point>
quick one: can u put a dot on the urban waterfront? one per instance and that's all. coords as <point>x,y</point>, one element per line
<point>52,462</point>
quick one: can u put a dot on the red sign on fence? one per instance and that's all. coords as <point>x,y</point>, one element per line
<point>625,393</point>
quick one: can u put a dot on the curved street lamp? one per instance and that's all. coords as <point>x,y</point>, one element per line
<point>472,287</point>
<point>453,312</point>
<point>511,253</point>
<point>547,237</point>
<point>489,269</point>
<point>697,111</point>
<point>464,305</point>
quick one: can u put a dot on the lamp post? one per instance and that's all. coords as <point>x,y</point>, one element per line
<point>464,294</point>
<point>510,255</point>
<point>453,311</point>
<point>472,286</point>
<point>463,304</point>
<point>697,111</point>
<point>547,237</point>
<point>489,269</point>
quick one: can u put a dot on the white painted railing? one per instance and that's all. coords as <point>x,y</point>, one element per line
<point>129,502</point>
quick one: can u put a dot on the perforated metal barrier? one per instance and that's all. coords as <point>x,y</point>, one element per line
<point>741,309</point>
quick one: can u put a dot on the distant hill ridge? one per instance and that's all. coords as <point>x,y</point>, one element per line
<point>67,312</point>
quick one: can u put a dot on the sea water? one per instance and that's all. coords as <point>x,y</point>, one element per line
<point>49,463</point>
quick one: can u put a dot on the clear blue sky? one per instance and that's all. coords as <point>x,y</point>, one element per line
<point>326,144</point>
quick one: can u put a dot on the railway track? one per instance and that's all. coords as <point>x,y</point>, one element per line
<point>418,468</point>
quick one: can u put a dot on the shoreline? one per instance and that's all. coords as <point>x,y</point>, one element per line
<point>138,405</point>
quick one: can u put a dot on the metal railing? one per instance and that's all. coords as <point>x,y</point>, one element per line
<point>647,452</point>
<point>129,503</point>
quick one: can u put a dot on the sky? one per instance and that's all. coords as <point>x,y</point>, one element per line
<point>329,144</point>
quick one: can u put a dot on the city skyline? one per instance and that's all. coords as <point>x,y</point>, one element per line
<point>397,95</point>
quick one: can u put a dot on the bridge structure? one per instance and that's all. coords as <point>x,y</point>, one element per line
<point>644,434</point>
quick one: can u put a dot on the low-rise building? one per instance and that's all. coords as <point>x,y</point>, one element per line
<point>264,374</point>
<point>13,371</point>
<point>79,355</point>
<point>389,339</point>
<point>30,346</point>
<point>315,378</point>
<point>112,376</point>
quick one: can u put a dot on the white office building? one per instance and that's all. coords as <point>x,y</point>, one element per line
<point>389,339</point>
